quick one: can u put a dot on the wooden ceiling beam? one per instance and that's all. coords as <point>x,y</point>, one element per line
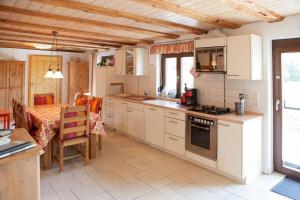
<point>16,46</point>
<point>253,9</point>
<point>3,38</point>
<point>4,44</point>
<point>62,36</point>
<point>203,18</point>
<point>76,31</point>
<point>119,14</point>
<point>100,24</point>
<point>48,40</point>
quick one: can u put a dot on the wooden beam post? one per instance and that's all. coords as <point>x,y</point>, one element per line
<point>100,24</point>
<point>119,14</point>
<point>194,14</point>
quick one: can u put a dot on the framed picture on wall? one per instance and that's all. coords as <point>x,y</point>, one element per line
<point>106,61</point>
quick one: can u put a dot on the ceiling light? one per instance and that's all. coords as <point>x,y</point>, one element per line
<point>42,46</point>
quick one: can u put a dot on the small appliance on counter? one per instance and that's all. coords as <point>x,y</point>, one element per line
<point>189,98</point>
<point>240,106</point>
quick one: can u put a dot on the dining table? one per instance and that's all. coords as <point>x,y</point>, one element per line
<point>47,120</point>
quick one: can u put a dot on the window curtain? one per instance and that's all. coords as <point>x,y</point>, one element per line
<point>181,47</point>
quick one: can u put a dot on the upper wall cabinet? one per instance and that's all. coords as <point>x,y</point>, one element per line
<point>133,61</point>
<point>244,57</point>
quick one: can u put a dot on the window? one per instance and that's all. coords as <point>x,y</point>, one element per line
<point>176,73</point>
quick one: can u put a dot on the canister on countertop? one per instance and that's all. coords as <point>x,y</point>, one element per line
<point>240,106</point>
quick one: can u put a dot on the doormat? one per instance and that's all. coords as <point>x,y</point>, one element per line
<point>288,187</point>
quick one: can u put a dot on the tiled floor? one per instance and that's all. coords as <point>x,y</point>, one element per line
<point>126,169</point>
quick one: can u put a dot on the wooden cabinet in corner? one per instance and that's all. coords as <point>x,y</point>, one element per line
<point>132,61</point>
<point>244,57</point>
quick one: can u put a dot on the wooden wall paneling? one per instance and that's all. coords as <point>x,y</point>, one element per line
<point>38,84</point>
<point>3,83</point>
<point>78,78</point>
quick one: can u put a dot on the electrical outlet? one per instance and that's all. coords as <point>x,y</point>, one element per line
<point>256,100</point>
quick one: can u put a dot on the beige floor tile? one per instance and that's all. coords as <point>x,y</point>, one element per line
<point>131,191</point>
<point>195,192</point>
<point>154,195</point>
<point>86,191</point>
<point>103,196</point>
<point>126,169</point>
<point>67,195</point>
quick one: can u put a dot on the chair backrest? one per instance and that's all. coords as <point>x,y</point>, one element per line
<point>14,108</point>
<point>74,122</point>
<point>43,99</point>
<point>81,100</point>
<point>96,105</point>
<point>22,117</point>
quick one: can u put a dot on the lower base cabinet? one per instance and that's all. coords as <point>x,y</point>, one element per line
<point>175,144</point>
<point>154,125</point>
<point>135,123</point>
<point>239,149</point>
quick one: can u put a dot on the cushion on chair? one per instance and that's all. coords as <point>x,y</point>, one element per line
<point>81,101</point>
<point>95,105</point>
<point>43,100</point>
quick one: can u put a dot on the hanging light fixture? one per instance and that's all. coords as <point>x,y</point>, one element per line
<point>51,73</point>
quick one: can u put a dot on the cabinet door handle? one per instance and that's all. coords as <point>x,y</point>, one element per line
<point>227,125</point>
<point>152,109</point>
<point>232,75</point>
<point>129,111</point>
<point>173,139</point>
<point>173,122</point>
<point>108,116</point>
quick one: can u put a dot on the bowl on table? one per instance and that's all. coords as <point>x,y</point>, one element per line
<point>4,136</point>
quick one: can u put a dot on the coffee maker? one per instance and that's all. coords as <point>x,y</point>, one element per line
<point>191,97</point>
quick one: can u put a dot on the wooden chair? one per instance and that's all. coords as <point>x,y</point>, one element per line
<point>74,130</point>
<point>21,117</point>
<point>43,99</point>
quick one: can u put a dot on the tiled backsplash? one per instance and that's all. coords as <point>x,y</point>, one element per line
<point>211,91</point>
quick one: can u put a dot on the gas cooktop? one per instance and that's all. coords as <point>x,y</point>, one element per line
<point>212,110</point>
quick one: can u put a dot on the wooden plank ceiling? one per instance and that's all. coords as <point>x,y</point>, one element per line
<point>89,25</point>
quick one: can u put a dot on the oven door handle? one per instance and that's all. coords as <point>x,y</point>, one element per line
<point>207,129</point>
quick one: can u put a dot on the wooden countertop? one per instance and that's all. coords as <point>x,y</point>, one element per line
<point>173,105</point>
<point>22,134</point>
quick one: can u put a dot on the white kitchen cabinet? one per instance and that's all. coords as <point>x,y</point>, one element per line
<point>132,61</point>
<point>244,57</point>
<point>175,144</point>
<point>109,112</point>
<point>135,120</point>
<point>120,115</point>
<point>120,62</point>
<point>239,149</point>
<point>154,125</point>
<point>210,42</point>
<point>175,127</point>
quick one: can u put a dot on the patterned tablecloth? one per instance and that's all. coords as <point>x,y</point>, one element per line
<point>47,118</point>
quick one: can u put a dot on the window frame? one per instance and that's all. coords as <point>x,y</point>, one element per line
<point>178,57</point>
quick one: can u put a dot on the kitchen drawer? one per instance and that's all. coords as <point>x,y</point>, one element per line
<point>109,120</point>
<point>135,106</point>
<point>109,100</point>
<point>175,144</point>
<point>109,108</point>
<point>175,127</point>
<point>175,114</point>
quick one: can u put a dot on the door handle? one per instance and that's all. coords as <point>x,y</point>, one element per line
<point>277,104</point>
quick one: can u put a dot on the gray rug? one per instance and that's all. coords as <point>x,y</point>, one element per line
<point>288,187</point>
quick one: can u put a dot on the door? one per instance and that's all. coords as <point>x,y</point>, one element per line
<point>16,82</point>
<point>78,79</point>
<point>286,105</point>
<point>154,126</point>
<point>38,84</point>
<point>135,120</point>
<point>4,66</point>
<point>120,115</point>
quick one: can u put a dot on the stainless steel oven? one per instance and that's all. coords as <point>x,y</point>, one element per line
<point>201,136</point>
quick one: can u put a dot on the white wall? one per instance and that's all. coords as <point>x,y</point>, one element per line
<point>211,86</point>
<point>23,55</point>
